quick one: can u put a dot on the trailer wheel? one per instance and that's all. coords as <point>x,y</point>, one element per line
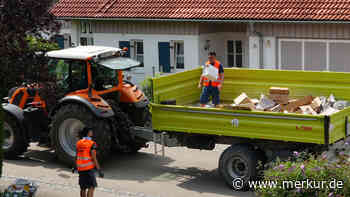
<point>14,142</point>
<point>238,165</point>
<point>67,123</point>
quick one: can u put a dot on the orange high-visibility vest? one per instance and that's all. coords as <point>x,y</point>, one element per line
<point>217,82</point>
<point>84,159</point>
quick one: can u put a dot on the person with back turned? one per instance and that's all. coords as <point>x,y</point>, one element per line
<point>211,88</point>
<point>86,163</point>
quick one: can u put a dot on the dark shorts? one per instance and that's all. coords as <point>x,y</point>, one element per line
<point>87,179</point>
<point>210,91</point>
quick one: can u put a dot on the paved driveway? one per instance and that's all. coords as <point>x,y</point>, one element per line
<point>182,173</point>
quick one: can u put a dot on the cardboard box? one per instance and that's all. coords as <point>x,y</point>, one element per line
<point>294,104</point>
<point>277,108</point>
<point>245,106</point>
<point>316,104</point>
<point>242,99</point>
<point>307,109</point>
<point>279,98</point>
<point>290,107</point>
<point>279,90</point>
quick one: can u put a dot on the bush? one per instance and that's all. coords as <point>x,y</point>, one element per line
<point>313,170</point>
<point>147,88</point>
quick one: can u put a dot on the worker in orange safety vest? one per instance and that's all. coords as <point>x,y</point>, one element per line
<point>86,162</point>
<point>211,88</point>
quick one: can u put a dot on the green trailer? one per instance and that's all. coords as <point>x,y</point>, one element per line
<point>253,135</point>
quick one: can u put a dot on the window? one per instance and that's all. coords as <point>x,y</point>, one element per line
<point>234,53</point>
<point>314,55</point>
<point>69,75</point>
<point>86,37</point>
<point>103,77</point>
<point>86,27</point>
<point>78,75</point>
<point>139,52</point>
<point>179,55</point>
<point>84,41</point>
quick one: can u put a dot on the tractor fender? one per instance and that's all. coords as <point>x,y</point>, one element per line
<point>97,111</point>
<point>15,111</point>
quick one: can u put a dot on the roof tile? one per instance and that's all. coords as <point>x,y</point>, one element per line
<point>206,9</point>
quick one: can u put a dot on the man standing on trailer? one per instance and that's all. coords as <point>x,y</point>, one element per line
<point>86,162</point>
<point>211,88</point>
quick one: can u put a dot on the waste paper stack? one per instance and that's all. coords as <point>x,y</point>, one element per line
<point>279,100</point>
<point>21,188</point>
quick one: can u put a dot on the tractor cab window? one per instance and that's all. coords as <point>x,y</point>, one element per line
<point>102,77</point>
<point>70,75</point>
<point>59,71</point>
<point>78,75</point>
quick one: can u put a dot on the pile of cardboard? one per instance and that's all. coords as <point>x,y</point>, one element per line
<point>278,100</point>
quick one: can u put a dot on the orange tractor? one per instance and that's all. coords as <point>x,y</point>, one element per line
<point>88,90</point>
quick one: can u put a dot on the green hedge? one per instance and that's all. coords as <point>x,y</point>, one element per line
<point>292,176</point>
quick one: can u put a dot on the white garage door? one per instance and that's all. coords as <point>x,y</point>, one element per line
<point>315,55</point>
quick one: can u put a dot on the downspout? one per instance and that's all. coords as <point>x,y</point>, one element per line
<point>261,44</point>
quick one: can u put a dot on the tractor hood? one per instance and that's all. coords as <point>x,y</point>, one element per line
<point>119,63</point>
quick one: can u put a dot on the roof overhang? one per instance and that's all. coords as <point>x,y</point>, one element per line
<point>208,20</point>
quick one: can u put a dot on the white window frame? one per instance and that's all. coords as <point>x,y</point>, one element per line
<point>90,40</point>
<point>133,51</point>
<point>234,53</point>
<point>175,43</point>
<point>86,32</point>
<point>327,42</point>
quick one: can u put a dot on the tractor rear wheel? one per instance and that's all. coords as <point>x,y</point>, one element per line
<point>67,123</point>
<point>14,141</point>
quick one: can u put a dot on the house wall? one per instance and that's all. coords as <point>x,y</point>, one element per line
<point>261,41</point>
<point>150,42</point>
<point>307,30</point>
<point>268,38</point>
<point>218,43</point>
<point>138,27</point>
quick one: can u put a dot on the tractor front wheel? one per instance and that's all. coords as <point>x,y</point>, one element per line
<point>14,141</point>
<point>67,123</point>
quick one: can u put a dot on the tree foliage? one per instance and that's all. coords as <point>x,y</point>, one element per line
<point>24,26</point>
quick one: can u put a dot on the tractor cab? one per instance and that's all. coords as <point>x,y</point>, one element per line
<point>86,67</point>
<point>86,89</point>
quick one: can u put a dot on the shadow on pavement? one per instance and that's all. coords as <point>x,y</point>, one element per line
<point>141,167</point>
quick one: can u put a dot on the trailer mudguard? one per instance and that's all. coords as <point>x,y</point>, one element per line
<point>97,107</point>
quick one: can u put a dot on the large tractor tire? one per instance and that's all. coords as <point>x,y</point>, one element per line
<point>238,165</point>
<point>14,138</point>
<point>124,127</point>
<point>67,123</point>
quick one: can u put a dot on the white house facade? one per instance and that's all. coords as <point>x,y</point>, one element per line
<point>179,42</point>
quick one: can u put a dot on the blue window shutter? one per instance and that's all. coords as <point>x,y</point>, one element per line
<point>164,56</point>
<point>60,41</point>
